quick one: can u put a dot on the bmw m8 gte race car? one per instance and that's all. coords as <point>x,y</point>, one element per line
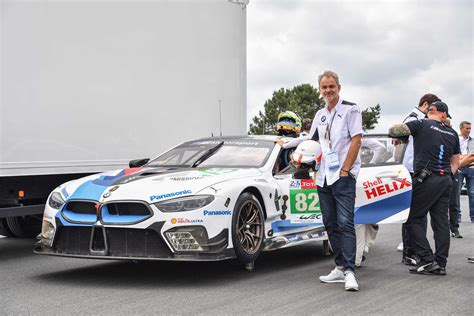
<point>212,199</point>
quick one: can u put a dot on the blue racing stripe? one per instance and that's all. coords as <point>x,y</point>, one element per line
<point>282,226</point>
<point>380,210</point>
<point>93,189</point>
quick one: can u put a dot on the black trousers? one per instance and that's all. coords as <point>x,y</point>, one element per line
<point>408,248</point>
<point>431,196</point>
<point>453,206</point>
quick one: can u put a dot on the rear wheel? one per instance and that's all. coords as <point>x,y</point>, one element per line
<point>24,226</point>
<point>247,228</point>
<point>4,230</point>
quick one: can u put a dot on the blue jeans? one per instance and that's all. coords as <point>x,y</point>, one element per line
<point>468,174</point>
<point>337,206</point>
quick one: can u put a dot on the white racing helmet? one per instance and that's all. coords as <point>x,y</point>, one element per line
<point>307,152</point>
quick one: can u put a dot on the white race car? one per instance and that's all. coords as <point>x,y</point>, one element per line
<point>212,199</point>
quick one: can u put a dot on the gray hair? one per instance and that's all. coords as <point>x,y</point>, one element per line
<point>461,125</point>
<point>329,73</point>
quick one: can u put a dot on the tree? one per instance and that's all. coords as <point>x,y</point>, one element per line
<point>305,101</point>
<point>370,117</point>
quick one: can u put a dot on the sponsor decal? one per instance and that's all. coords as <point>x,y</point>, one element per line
<point>212,213</point>
<point>260,180</point>
<point>295,184</point>
<point>308,184</point>
<point>112,189</point>
<point>106,195</point>
<point>323,118</point>
<point>215,142</point>
<point>215,171</point>
<point>377,188</point>
<point>64,193</point>
<point>304,201</point>
<point>168,195</point>
<point>302,184</point>
<point>308,218</point>
<point>186,178</point>
<point>293,238</point>
<point>180,220</point>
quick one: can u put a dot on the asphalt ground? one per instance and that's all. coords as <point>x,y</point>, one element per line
<point>283,282</point>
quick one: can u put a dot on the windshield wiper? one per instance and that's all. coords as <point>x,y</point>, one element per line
<point>207,154</point>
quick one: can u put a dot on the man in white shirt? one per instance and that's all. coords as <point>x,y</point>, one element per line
<point>338,128</point>
<point>467,172</point>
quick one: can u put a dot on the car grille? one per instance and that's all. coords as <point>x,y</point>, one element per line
<point>122,242</point>
<point>124,213</point>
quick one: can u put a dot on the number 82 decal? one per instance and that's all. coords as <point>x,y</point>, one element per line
<point>304,201</point>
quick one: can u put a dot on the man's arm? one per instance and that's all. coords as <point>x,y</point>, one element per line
<point>455,162</point>
<point>351,154</point>
<point>466,159</point>
<point>399,130</point>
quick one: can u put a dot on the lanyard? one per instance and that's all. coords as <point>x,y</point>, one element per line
<point>328,130</point>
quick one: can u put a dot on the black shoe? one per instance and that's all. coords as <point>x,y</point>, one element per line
<point>470,259</point>
<point>425,268</point>
<point>440,271</point>
<point>411,260</point>
<point>456,234</point>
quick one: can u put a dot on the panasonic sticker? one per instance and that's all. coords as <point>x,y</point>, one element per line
<point>169,195</point>
<point>216,213</point>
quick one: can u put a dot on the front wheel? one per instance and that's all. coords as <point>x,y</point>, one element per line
<point>247,228</point>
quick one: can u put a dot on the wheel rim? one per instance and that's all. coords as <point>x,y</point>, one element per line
<point>250,227</point>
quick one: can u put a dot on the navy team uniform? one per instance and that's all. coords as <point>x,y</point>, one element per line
<point>434,145</point>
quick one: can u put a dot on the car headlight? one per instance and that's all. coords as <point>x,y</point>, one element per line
<point>47,232</point>
<point>187,203</point>
<point>56,200</point>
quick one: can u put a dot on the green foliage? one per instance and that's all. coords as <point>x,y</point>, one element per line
<point>305,101</point>
<point>370,117</point>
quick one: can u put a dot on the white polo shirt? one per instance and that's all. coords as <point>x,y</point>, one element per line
<point>341,124</point>
<point>465,144</point>
<point>416,114</point>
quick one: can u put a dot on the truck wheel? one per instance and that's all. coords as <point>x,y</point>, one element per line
<point>247,228</point>
<point>4,230</point>
<point>24,226</point>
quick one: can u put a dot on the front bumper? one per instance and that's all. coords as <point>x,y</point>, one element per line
<point>126,243</point>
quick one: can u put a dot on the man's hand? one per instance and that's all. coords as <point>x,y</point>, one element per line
<point>399,130</point>
<point>280,142</point>
<point>343,173</point>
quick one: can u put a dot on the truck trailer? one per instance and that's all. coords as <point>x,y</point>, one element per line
<point>88,86</point>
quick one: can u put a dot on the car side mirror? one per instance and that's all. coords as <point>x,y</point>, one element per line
<point>138,162</point>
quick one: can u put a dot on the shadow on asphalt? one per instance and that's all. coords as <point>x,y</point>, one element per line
<point>173,273</point>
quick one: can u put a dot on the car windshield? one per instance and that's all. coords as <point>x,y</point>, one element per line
<point>233,153</point>
<point>381,150</point>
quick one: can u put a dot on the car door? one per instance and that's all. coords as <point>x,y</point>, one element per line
<point>383,190</point>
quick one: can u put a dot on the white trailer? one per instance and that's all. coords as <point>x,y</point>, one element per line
<point>87,86</point>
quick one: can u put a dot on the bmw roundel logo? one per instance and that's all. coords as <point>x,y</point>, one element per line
<point>323,119</point>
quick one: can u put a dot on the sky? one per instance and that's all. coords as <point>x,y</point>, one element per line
<point>385,52</point>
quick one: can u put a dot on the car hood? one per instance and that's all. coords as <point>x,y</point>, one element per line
<point>150,184</point>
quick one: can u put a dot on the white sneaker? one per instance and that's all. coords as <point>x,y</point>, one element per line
<point>400,246</point>
<point>335,276</point>
<point>350,282</point>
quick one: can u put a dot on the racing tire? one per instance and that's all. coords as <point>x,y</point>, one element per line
<point>247,228</point>
<point>24,226</point>
<point>4,230</point>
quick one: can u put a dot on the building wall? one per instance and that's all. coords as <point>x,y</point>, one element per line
<point>89,85</point>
